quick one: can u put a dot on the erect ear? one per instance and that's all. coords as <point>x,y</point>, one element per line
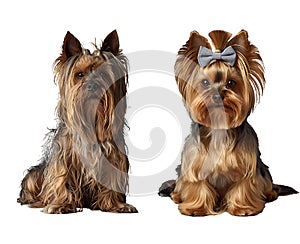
<point>70,47</point>
<point>240,40</point>
<point>197,40</point>
<point>111,43</point>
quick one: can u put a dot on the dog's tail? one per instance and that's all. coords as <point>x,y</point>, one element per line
<point>279,190</point>
<point>284,190</point>
<point>166,188</point>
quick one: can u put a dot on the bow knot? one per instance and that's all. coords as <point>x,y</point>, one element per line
<point>205,55</point>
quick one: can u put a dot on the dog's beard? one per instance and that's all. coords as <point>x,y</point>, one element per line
<point>93,115</point>
<point>229,114</point>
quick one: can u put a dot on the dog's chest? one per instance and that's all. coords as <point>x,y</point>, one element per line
<point>221,162</point>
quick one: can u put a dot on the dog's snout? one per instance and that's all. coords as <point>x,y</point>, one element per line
<point>92,87</point>
<point>217,98</point>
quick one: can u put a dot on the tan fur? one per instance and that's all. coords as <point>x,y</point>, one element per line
<point>221,169</point>
<point>86,163</point>
<point>222,165</point>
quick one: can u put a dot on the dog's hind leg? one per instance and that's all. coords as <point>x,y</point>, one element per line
<point>31,186</point>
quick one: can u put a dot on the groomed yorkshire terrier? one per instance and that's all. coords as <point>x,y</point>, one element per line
<point>85,163</point>
<point>221,169</point>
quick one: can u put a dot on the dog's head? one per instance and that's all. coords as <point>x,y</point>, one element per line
<point>220,85</point>
<point>92,86</point>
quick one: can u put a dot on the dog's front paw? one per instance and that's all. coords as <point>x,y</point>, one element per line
<point>176,197</point>
<point>59,209</point>
<point>244,211</point>
<point>197,211</point>
<point>126,208</point>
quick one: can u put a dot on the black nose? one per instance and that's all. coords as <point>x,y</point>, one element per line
<point>217,98</point>
<point>91,87</point>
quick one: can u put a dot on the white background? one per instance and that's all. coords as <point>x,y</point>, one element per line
<point>32,33</point>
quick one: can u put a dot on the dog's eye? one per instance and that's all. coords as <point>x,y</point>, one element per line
<point>230,84</point>
<point>79,75</point>
<point>205,83</point>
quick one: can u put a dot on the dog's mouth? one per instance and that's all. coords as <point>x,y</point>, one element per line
<point>220,106</point>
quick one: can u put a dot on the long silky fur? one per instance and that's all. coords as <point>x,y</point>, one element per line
<point>221,169</point>
<point>85,162</point>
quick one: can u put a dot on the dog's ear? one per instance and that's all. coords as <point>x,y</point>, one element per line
<point>240,40</point>
<point>193,44</point>
<point>196,40</point>
<point>249,62</point>
<point>71,46</point>
<point>111,43</point>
